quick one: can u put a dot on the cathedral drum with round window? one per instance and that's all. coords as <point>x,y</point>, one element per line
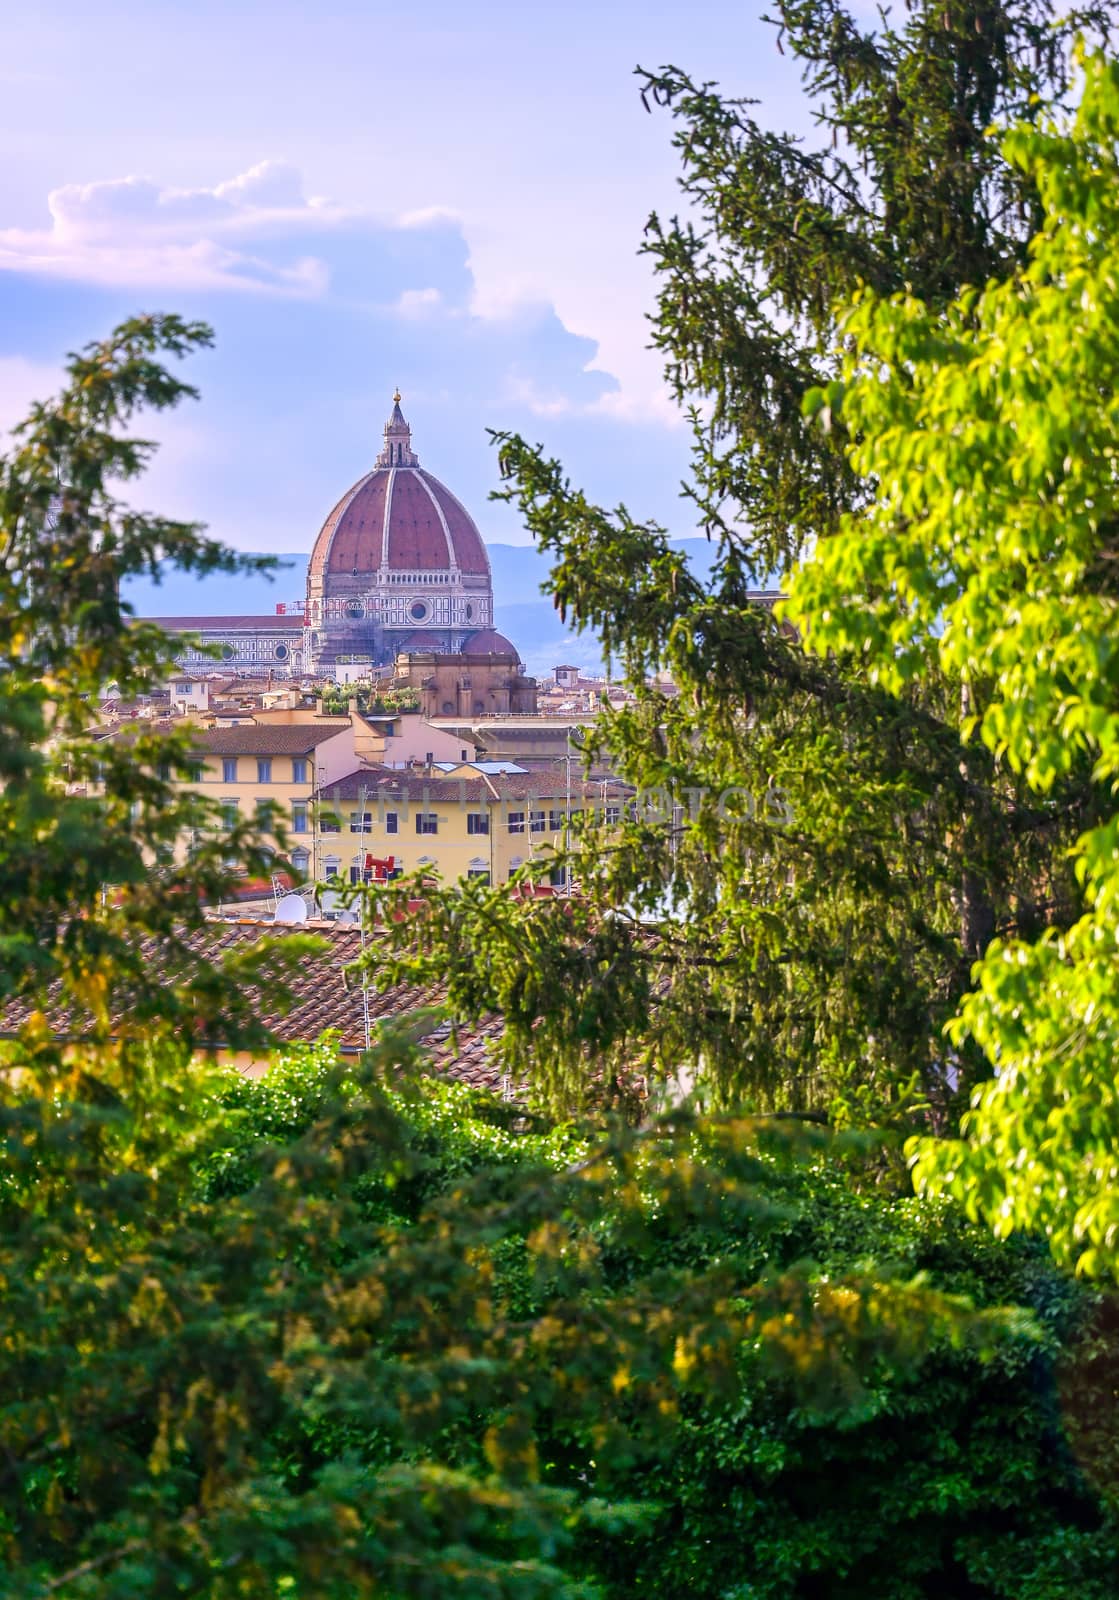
<point>399,528</point>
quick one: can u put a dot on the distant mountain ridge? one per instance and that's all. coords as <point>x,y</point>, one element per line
<point>520,610</point>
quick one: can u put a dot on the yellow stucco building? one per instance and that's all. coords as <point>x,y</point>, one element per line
<point>342,811</point>
<point>256,771</point>
<point>466,823</point>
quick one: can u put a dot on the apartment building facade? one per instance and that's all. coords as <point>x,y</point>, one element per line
<point>270,773</point>
<point>389,739</point>
<point>467,824</point>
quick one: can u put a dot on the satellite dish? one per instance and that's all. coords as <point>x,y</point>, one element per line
<point>292,908</point>
<point>347,918</point>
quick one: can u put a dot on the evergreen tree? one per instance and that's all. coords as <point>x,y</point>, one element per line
<point>333,1336</point>
<point>795,910</point>
<point>243,1371</point>
<point>95,897</point>
<point>988,432</point>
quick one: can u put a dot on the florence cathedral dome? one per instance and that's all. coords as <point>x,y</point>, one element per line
<point>399,564</point>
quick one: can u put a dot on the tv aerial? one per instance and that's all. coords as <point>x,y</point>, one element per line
<point>291,908</point>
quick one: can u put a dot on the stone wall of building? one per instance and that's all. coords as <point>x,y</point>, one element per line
<point>467,685</point>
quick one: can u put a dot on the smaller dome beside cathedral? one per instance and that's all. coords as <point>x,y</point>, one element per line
<point>488,642</point>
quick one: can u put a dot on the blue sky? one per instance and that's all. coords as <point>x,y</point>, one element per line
<point>358,195</point>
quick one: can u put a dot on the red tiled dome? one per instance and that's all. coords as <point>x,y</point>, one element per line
<point>488,642</point>
<point>402,519</point>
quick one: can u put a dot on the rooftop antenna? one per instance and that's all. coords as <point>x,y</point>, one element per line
<point>567,821</point>
<point>363,795</point>
<point>291,908</point>
<point>316,864</point>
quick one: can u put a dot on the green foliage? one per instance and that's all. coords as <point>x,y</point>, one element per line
<point>905,188</point>
<point>93,905</point>
<point>371,702</point>
<point>395,700</point>
<point>989,432</point>
<point>161,1350</point>
<point>337,1335</point>
<point>956,1480</point>
<point>331,1335</point>
<point>795,909</point>
<point>447,1130</point>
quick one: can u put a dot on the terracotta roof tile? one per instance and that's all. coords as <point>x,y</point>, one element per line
<point>423,518</point>
<point>266,739</point>
<point>126,732</point>
<point>469,549</point>
<point>394,781</point>
<point>326,996</point>
<point>488,642</point>
<point>544,783</point>
<point>416,536</point>
<point>269,623</point>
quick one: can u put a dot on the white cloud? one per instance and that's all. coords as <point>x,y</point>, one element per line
<point>503,297</point>
<point>419,303</point>
<point>651,404</point>
<point>638,394</point>
<point>646,402</point>
<point>523,391</point>
<point>133,232</point>
<point>269,183</point>
<point>103,209</point>
<point>204,265</point>
<point>430,217</point>
<point>258,234</point>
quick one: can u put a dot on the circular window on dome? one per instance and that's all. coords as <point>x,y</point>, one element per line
<point>469,612</point>
<point>281,652</point>
<point>418,610</point>
<point>354,608</point>
<point>227,652</point>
